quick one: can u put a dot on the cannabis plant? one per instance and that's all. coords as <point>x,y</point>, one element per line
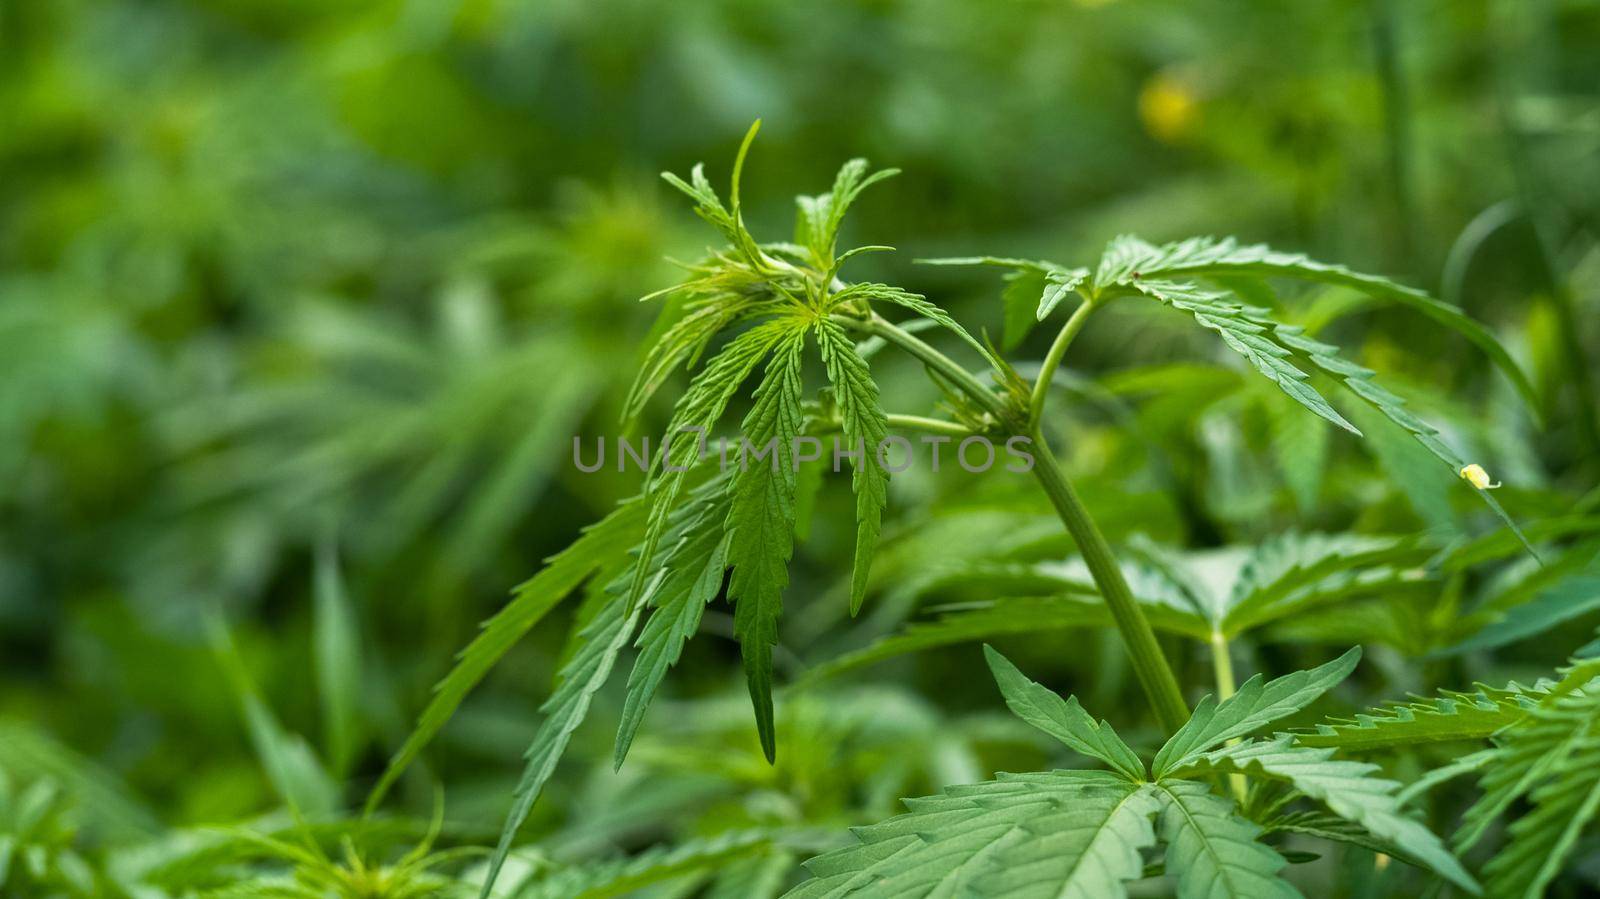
<point>756,310</point>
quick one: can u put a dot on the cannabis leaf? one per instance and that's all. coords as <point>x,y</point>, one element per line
<point>1257,703</point>
<point>621,877</point>
<point>1347,788</point>
<point>1550,759</point>
<point>1061,718</point>
<point>1083,833</point>
<point>693,576</point>
<point>580,678</point>
<point>1034,288</point>
<point>1128,258</point>
<point>761,524</point>
<point>865,426</point>
<point>1451,716</point>
<point>1212,851</point>
<point>600,551</point>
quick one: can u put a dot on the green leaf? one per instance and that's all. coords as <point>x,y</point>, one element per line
<point>1541,840</point>
<point>693,577</point>
<point>580,678</point>
<point>1058,286</point>
<point>760,525</point>
<point>1450,717</point>
<point>916,303</point>
<point>1205,257</point>
<point>622,877</point>
<point>819,217</point>
<point>291,765</point>
<point>337,644</point>
<point>1063,719</point>
<point>865,426</point>
<point>1347,788</point>
<point>1214,853</point>
<point>1065,833</point>
<point>1551,754</point>
<point>682,344</point>
<point>696,412</point>
<point>1034,288</point>
<point>1558,604</point>
<point>1248,332</point>
<point>1256,704</point>
<point>603,547</point>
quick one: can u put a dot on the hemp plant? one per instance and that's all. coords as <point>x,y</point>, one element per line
<point>692,534</point>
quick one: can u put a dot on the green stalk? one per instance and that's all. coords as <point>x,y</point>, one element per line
<point>1149,664</point>
<point>1052,359</point>
<point>1222,667</point>
<point>927,425</point>
<point>939,362</point>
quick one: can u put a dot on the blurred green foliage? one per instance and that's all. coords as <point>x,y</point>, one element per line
<point>301,304</point>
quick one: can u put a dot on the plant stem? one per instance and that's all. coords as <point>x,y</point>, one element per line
<point>1052,360</point>
<point>939,362</point>
<point>930,425</point>
<point>1149,664</point>
<point>1222,665</point>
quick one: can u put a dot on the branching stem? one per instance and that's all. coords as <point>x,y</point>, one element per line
<point>1052,360</point>
<point>1149,663</point>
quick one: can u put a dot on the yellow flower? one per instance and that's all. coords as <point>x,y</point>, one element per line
<point>1168,107</point>
<point>1478,478</point>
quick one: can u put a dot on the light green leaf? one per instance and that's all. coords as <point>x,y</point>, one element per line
<point>1064,833</point>
<point>760,525</point>
<point>693,577</point>
<point>1063,719</point>
<point>865,426</point>
<point>1249,333</point>
<point>1347,788</point>
<point>1257,704</point>
<point>1450,717</point>
<point>1214,853</point>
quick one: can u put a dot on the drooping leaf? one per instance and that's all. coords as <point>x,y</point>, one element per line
<point>696,412</point>
<point>916,303</point>
<point>1249,333</point>
<point>603,547</point>
<point>760,525</point>
<point>865,426</point>
<point>1257,703</point>
<point>693,576</point>
<point>580,678</point>
<point>1063,719</point>
<point>1127,258</point>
